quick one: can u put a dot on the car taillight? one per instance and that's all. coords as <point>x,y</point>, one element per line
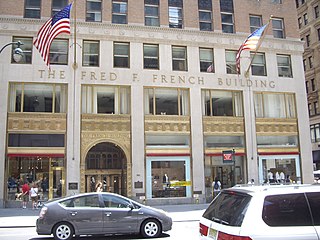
<point>203,229</point>
<point>225,236</point>
<point>43,212</point>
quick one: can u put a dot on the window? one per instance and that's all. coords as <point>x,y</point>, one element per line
<point>59,52</point>
<point>151,56</point>
<point>315,132</point>
<point>105,99</point>
<point>316,11</point>
<point>51,98</point>
<point>179,58</point>
<point>307,87</point>
<point>315,107</point>
<point>278,28</point>
<point>166,101</point>
<point>284,66</point>
<point>121,54</point>
<point>286,210</point>
<point>119,11</point>
<point>206,60</point>
<point>36,140</point>
<point>32,8</point>
<point>26,48</point>
<point>313,86</point>
<point>318,34</point>
<point>83,201</point>
<point>308,40</point>
<point>222,103</point>
<point>205,15</point>
<point>90,57</point>
<point>314,201</point>
<point>274,105</point>
<point>151,13</point>
<point>305,18</point>
<point>299,22</point>
<point>255,22</point>
<point>310,109</point>
<point>258,66</point>
<point>94,11</point>
<point>304,64</point>
<point>227,19</point>
<point>231,62</point>
<point>310,62</point>
<point>276,1</point>
<point>175,13</point>
<point>115,202</point>
<point>57,5</point>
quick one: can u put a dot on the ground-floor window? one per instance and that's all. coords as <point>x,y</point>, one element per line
<point>47,173</point>
<point>279,169</point>
<point>168,177</point>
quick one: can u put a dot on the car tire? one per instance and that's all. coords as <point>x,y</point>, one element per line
<point>151,228</point>
<point>63,231</point>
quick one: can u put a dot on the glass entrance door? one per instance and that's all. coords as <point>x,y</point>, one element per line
<point>56,179</point>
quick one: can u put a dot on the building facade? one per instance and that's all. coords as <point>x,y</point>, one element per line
<point>144,97</point>
<point>309,26</point>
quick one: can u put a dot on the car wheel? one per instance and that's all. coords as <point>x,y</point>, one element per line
<point>63,231</point>
<point>150,228</point>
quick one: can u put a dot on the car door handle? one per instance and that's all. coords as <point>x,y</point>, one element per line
<point>108,214</point>
<point>73,213</point>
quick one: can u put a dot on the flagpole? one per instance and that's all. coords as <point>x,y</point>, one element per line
<point>75,65</point>
<point>246,74</point>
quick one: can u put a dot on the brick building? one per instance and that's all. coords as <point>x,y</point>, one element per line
<point>129,100</point>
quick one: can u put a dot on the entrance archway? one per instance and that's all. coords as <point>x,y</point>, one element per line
<point>106,163</point>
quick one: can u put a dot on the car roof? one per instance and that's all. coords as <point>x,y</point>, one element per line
<point>275,188</point>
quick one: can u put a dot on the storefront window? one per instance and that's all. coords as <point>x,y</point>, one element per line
<point>223,141</point>
<point>168,177</point>
<point>277,141</point>
<point>28,97</point>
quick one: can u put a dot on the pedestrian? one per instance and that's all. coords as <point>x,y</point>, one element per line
<point>25,194</point>
<point>99,187</point>
<point>216,187</point>
<point>34,195</point>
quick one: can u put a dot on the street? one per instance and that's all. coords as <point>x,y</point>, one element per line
<point>20,225</point>
<point>180,230</point>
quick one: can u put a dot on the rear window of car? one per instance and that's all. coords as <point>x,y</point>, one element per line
<point>286,210</point>
<point>228,208</point>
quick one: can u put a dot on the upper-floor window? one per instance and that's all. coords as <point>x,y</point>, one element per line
<point>119,11</point>
<point>206,60</point>
<point>284,65</point>
<point>318,34</point>
<point>300,22</point>
<point>222,103</point>
<point>308,40</point>
<point>310,109</point>
<point>313,85</point>
<point>315,107</point>
<point>205,15</point>
<point>57,5</point>
<point>305,18</point>
<point>258,66</point>
<point>231,66</point>
<point>166,101</point>
<point>310,62</point>
<point>227,17</point>
<point>255,22</point>
<point>34,97</point>
<point>59,52</point>
<point>94,11</point>
<point>90,53</point>
<point>179,58</point>
<point>121,57</point>
<point>315,132</point>
<point>316,11</point>
<point>151,56</point>
<point>278,28</point>
<point>175,13</point>
<point>32,8</point>
<point>151,13</point>
<point>274,105</point>
<point>304,64</point>
<point>307,87</point>
<point>26,48</point>
<point>105,99</point>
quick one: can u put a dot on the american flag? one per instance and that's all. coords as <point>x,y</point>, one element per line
<point>251,43</point>
<point>59,23</point>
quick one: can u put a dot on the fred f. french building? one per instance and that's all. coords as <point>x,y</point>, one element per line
<point>144,97</point>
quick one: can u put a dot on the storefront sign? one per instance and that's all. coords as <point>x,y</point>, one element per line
<point>73,186</point>
<point>227,156</point>
<point>180,183</point>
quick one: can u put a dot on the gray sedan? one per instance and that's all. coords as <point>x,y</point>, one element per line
<point>100,214</point>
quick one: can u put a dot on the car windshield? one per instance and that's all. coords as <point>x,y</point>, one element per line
<point>228,208</point>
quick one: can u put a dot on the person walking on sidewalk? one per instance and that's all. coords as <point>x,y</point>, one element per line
<point>34,195</point>
<point>25,194</point>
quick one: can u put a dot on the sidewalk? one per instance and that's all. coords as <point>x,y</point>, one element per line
<point>18,217</point>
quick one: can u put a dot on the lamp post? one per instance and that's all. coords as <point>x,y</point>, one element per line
<point>17,53</point>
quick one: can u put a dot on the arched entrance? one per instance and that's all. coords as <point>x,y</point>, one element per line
<point>106,163</point>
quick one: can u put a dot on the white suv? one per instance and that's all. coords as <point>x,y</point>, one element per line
<point>263,212</point>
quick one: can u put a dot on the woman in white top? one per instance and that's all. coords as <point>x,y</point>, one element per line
<point>34,195</point>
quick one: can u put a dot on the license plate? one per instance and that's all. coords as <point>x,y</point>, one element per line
<point>212,233</point>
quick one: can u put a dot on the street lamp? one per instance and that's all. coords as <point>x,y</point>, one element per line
<point>17,53</point>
